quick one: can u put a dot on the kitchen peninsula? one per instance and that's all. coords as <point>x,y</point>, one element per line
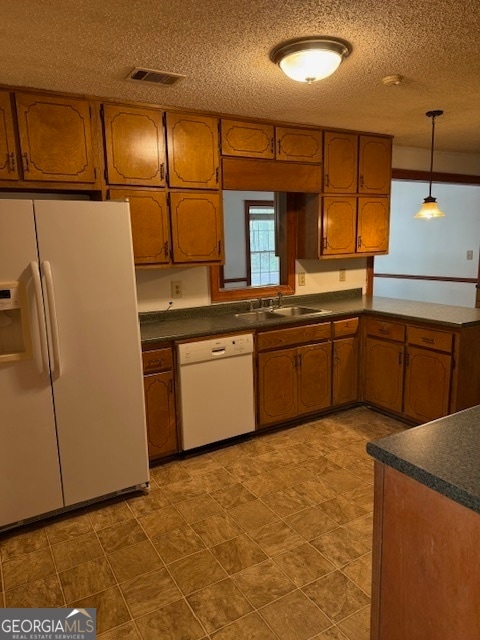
<point>427,531</point>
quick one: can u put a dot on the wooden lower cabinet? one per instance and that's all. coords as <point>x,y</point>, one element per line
<point>383,366</point>
<point>277,386</point>
<point>345,371</point>
<point>314,377</point>
<point>427,384</point>
<point>160,403</point>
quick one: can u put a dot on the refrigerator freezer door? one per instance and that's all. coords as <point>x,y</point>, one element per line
<point>29,468</point>
<point>98,388</point>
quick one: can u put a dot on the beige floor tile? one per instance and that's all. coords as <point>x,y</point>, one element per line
<point>342,509</point>
<point>362,528</point>
<point>336,595</point>
<point>226,455</point>
<point>196,571</point>
<point>161,520</point>
<point>263,583</point>
<point>333,633</point>
<point>252,515</point>
<point>287,501</point>
<point>357,626</point>
<point>134,561</point>
<point>244,468</point>
<point>104,516</point>
<point>173,622</point>
<point>111,608</point>
<point>362,470</point>
<point>362,496</point>
<point>320,465</point>
<point>294,617</point>
<point>27,568</point>
<point>262,484</point>
<point>183,490</point>
<point>68,527</point>
<point>121,535</point>
<point>340,546</point>
<point>251,627</point>
<point>217,529</point>
<point>219,604</point>
<point>214,480</point>
<point>200,464</point>
<point>317,490</point>
<point>344,457</point>
<point>233,496</point>
<point>18,543</point>
<point>198,508</point>
<point>178,543</point>
<point>310,522</point>
<point>169,473</point>
<point>70,553</point>
<point>125,632</point>
<point>360,572</point>
<point>86,579</point>
<point>150,591</point>
<point>276,537</point>
<point>237,554</point>
<point>342,481</point>
<point>146,503</point>
<point>46,592</point>
<point>295,474</point>
<point>303,564</point>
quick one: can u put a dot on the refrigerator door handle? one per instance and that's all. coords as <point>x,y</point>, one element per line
<point>52,313</point>
<point>40,354</point>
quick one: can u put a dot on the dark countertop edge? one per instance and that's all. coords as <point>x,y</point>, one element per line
<point>433,482</point>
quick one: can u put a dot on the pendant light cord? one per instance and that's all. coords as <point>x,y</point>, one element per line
<point>431,156</point>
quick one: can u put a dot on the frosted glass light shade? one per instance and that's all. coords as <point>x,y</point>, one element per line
<point>310,59</point>
<point>429,209</point>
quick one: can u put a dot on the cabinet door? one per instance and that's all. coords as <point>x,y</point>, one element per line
<point>427,384</point>
<point>277,386</point>
<point>197,227</point>
<point>134,146</point>
<point>160,413</point>
<point>314,377</point>
<point>247,139</point>
<point>299,145</point>
<point>339,225</point>
<point>373,225</point>
<point>375,165</point>
<point>8,157</point>
<point>340,153</point>
<point>192,150</point>
<point>55,139</point>
<point>384,374</point>
<point>345,371</point>
<point>150,224</point>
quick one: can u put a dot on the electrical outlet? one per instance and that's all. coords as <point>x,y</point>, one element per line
<point>342,275</point>
<point>470,254</point>
<point>301,279</point>
<point>176,288</point>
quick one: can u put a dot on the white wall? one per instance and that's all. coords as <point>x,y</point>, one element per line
<point>443,161</point>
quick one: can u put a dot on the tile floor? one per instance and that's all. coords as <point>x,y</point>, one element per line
<point>269,539</point>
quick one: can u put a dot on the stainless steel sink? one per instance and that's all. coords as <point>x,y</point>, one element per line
<point>256,316</point>
<point>299,311</point>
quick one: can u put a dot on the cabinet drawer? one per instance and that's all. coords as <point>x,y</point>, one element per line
<point>157,360</point>
<point>383,329</point>
<point>440,340</point>
<point>346,327</point>
<point>295,335</point>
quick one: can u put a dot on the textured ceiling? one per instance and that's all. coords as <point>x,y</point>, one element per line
<point>222,46</point>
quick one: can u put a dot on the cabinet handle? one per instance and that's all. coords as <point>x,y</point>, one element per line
<point>165,250</point>
<point>400,358</point>
<point>272,145</point>
<point>325,243</point>
<point>407,359</point>
<point>359,241</point>
<point>428,340</point>
<point>170,385</point>
<point>157,362</point>
<point>162,171</point>
<point>217,174</point>
<point>219,248</point>
<point>361,181</point>
<point>279,147</point>
<point>25,162</point>
<point>327,182</point>
<point>383,331</point>
<point>11,162</point>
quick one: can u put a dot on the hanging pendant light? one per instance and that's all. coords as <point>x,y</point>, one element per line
<point>429,208</point>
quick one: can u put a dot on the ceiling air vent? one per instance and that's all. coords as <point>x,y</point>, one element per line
<point>154,76</point>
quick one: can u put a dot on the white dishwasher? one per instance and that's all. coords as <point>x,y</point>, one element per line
<point>216,389</point>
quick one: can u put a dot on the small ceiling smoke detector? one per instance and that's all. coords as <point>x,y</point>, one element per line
<point>154,76</point>
<point>393,80</point>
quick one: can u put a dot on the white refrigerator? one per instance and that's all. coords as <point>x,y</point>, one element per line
<point>72,417</point>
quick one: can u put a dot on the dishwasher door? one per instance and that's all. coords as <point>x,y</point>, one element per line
<point>217,399</point>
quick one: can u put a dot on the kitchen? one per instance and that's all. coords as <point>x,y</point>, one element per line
<point>154,285</point>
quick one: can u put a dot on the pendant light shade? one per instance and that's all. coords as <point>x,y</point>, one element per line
<point>310,59</point>
<point>429,208</point>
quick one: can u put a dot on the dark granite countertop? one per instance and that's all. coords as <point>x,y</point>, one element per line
<point>220,318</point>
<point>442,455</point>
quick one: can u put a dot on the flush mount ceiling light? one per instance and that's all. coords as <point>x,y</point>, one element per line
<point>429,207</point>
<point>310,59</point>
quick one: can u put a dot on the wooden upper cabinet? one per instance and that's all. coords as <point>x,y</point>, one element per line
<point>339,225</point>
<point>247,139</point>
<point>8,155</point>
<point>340,162</point>
<point>150,224</point>
<point>134,146</point>
<point>55,138</point>
<point>192,151</point>
<point>298,145</point>
<point>373,225</point>
<point>375,165</point>
<point>197,227</point>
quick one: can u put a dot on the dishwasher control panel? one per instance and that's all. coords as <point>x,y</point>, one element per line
<point>215,349</point>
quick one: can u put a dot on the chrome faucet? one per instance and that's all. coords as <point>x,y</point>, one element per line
<point>279,303</point>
